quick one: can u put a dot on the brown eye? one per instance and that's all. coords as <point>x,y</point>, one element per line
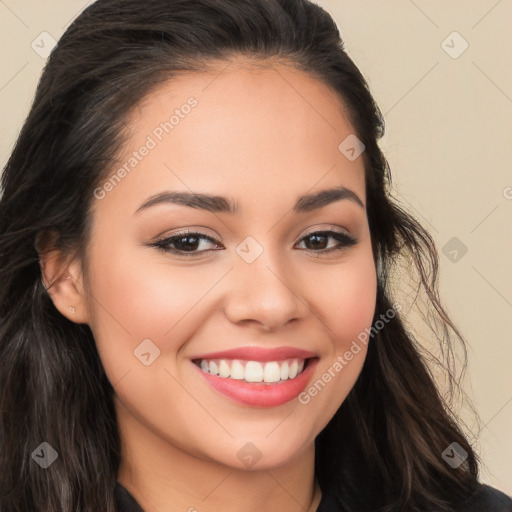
<point>318,241</point>
<point>185,244</point>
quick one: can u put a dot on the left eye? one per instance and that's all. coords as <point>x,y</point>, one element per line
<point>319,237</point>
<point>187,244</point>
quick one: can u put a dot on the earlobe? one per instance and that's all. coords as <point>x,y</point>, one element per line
<point>62,280</point>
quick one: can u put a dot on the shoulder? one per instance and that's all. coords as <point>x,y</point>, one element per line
<point>487,499</point>
<point>125,502</point>
<point>484,499</point>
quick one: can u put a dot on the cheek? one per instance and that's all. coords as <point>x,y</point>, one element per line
<point>139,299</point>
<point>347,305</point>
<point>349,301</point>
<point>136,298</point>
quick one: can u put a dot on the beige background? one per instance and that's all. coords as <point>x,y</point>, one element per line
<point>449,140</point>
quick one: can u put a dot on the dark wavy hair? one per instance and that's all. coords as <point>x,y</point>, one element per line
<point>382,449</point>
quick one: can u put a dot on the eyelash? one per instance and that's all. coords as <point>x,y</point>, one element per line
<point>163,244</point>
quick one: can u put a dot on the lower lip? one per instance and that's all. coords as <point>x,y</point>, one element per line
<point>259,394</point>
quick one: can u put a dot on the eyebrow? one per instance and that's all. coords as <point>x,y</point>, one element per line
<point>219,204</point>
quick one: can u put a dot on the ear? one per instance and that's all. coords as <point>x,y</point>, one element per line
<point>62,277</point>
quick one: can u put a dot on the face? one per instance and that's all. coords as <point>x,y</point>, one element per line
<point>286,280</point>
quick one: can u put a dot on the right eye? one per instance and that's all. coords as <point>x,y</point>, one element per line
<point>185,244</point>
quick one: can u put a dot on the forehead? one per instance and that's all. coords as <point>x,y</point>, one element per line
<point>239,128</point>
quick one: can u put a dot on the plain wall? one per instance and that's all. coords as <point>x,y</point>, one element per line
<point>448,140</point>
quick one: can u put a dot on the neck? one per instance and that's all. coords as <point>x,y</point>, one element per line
<point>164,478</point>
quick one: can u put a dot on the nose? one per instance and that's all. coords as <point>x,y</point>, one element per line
<point>263,293</point>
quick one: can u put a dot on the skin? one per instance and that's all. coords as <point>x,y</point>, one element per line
<point>262,136</point>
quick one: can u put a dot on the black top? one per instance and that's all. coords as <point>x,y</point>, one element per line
<point>485,499</point>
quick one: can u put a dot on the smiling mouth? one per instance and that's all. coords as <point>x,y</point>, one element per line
<point>268,372</point>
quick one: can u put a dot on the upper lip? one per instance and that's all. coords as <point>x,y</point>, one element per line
<point>259,354</point>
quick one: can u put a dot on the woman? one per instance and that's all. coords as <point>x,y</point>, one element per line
<point>197,242</point>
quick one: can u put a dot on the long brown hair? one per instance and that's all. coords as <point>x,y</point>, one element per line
<point>382,450</point>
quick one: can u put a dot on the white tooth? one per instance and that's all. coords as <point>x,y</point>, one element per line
<point>271,372</point>
<point>253,371</point>
<point>284,370</point>
<point>237,370</point>
<point>224,369</point>
<point>293,369</point>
